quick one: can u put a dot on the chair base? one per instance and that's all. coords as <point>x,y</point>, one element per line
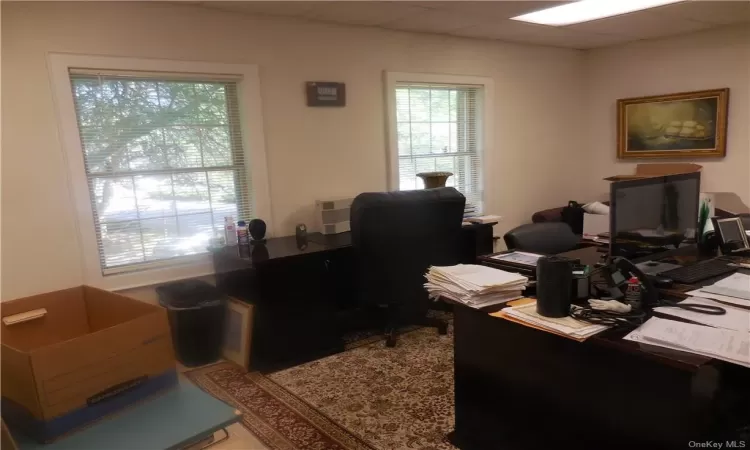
<point>391,331</point>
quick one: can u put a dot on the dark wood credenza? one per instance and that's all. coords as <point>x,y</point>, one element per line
<point>304,295</point>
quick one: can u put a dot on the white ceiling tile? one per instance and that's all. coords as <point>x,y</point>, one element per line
<point>363,13</point>
<point>513,31</point>
<point>489,19</point>
<point>714,12</point>
<point>641,25</point>
<point>432,21</point>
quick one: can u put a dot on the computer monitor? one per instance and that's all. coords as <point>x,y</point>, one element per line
<point>653,215</point>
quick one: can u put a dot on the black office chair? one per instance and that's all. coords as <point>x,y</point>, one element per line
<point>396,237</point>
<point>546,237</point>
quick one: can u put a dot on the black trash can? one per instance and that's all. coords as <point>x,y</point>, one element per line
<point>197,314</point>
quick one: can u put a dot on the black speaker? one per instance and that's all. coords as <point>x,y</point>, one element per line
<point>257,230</point>
<point>554,283</point>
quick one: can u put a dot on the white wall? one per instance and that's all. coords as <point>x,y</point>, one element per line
<point>312,152</point>
<point>706,60</point>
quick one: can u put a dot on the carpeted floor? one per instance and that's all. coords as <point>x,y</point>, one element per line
<point>276,417</point>
<point>368,397</point>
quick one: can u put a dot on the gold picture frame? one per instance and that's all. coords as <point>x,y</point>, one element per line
<point>682,125</point>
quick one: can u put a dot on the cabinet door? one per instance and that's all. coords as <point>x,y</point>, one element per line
<point>295,312</point>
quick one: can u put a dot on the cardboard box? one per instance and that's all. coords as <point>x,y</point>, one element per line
<point>79,354</point>
<point>657,170</point>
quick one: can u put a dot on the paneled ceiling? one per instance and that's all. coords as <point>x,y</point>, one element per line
<point>491,19</point>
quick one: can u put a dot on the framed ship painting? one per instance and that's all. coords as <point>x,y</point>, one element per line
<point>685,125</point>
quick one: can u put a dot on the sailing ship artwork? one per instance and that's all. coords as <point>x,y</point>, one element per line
<point>685,125</point>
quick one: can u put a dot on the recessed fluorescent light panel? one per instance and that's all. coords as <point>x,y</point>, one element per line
<point>587,10</point>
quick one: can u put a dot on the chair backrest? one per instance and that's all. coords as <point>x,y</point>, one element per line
<point>396,236</point>
<point>547,237</point>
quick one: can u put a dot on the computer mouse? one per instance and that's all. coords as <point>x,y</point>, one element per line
<point>652,263</point>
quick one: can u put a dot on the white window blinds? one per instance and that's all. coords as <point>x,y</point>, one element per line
<point>437,130</point>
<point>164,161</point>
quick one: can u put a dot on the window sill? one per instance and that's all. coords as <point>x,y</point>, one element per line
<point>199,266</point>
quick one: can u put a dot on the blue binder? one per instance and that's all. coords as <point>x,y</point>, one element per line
<point>175,419</point>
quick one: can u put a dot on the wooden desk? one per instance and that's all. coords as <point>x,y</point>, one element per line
<point>305,296</point>
<point>520,388</point>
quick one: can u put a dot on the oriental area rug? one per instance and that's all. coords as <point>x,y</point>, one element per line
<point>369,397</point>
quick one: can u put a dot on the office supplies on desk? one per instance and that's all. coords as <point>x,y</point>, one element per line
<point>527,315</point>
<point>738,281</point>
<point>484,219</point>
<point>734,318</point>
<point>734,290</point>
<point>720,298</point>
<point>699,271</point>
<point>473,285</point>
<point>521,258</point>
<point>726,345</point>
<point>736,286</point>
<point>617,275</point>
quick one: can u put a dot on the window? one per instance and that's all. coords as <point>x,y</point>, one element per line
<point>158,156</point>
<point>164,164</point>
<point>438,128</point>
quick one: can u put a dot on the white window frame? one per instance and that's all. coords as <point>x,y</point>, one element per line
<point>484,123</point>
<point>251,126</point>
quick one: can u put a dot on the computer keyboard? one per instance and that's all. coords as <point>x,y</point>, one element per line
<point>699,271</point>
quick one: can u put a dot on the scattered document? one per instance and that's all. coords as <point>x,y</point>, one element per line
<point>720,298</point>
<point>737,281</point>
<point>523,258</point>
<point>565,326</point>
<point>737,319</point>
<point>734,289</point>
<point>474,285</point>
<point>726,345</point>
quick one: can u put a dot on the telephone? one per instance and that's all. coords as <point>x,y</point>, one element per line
<point>617,274</point>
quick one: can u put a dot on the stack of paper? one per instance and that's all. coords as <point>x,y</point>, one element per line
<point>473,285</point>
<point>565,326</point>
<point>726,345</point>
<point>734,289</point>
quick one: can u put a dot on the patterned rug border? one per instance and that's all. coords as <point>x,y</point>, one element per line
<point>269,436</point>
